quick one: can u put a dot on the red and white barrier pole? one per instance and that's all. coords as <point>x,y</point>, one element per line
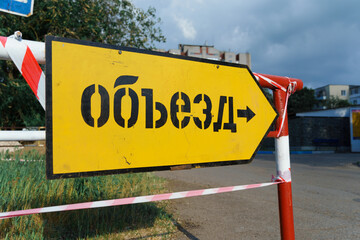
<point>282,88</point>
<point>19,52</point>
<point>283,170</point>
<point>37,48</point>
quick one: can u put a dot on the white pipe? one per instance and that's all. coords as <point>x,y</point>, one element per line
<point>282,158</point>
<point>37,48</point>
<point>22,135</point>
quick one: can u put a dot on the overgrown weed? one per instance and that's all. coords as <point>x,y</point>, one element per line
<point>23,186</point>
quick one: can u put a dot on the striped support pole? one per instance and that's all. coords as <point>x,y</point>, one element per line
<point>282,88</point>
<point>283,170</point>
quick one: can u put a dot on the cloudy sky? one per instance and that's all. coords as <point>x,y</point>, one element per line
<point>317,41</point>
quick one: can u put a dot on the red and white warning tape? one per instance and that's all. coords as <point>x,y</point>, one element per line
<point>133,200</point>
<point>289,90</point>
<point>275,84</point>
<point>25,61</point>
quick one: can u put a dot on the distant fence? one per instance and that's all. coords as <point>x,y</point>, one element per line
<point>317,133</point>
<point>21,128</point>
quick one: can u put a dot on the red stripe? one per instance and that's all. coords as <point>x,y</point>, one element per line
<point>31,71</point>
<point>78,206</point>
<point>3,40</point>
<point>23,212</point>
<point>123,201</point>
<point>160,197</point>
<point>253,186</point>
<point>195,193</point>
<point>225,189</point>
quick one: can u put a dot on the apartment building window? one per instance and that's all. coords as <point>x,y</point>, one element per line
<point>320,93</point>
<point>343,92</point>
<point>354,91</point>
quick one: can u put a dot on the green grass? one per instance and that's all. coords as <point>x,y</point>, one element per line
<point>23,186</point>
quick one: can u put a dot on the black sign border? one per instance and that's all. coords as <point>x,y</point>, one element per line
<point>49,112</point>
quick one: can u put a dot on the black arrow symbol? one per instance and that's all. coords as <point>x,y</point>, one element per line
<point>246,113</point>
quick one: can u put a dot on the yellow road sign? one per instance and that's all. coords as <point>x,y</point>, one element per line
<point>112,109</point>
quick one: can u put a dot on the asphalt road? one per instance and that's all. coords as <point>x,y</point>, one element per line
<point>326,199</point>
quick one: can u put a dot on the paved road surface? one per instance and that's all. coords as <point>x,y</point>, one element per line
<point>326,198</point>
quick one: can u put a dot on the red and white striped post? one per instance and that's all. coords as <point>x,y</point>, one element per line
<point>282,88</point>
<point>283,170</point>
<point>18,50</point>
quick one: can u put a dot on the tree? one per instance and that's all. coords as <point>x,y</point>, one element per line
<point>335,102</point>
<point>302,101</point>
<point>116,22</point>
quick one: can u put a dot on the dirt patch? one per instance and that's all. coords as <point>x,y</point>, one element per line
<point>182,215</point>
<point>22,148</point>
<point>10,146</point>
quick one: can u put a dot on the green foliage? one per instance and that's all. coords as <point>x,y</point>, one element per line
<point>116,22</point>
<point>107,21</point>
<point>23,186</point>
<point>18,105</point>
<point>335,102</point>
<point>268,94</point>
<point>302,101</point>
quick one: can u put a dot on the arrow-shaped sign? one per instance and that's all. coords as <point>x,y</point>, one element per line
<point>246,113</point>
<point>116,109</point>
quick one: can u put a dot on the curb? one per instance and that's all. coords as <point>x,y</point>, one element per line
<point>298,152</point>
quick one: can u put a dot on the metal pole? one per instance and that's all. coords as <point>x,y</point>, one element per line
<point>22,135</point>
<point>282,158</point>
<point>37,48</point>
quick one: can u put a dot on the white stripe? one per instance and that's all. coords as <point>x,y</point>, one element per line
<point>272,82</point>
<point>284,115</point>
<point>177,195</point>
<point>105,203</point>
<point>142,199</point>
<point>210,191</point>
<point>4,215</point>
<point>52,209</point>
<point>41,90</point>
<point>267,184</point>
<point>16,51</point>
<point>237,188</point>
<point>4,55</point>
<point>282,158</point>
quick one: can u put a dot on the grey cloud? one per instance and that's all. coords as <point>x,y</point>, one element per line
<point>316,41</point>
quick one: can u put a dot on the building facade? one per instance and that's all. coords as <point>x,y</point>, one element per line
<point>354,97</point>
<point>210,52</point>
<point>325,93</point>
<point>332,90</point>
